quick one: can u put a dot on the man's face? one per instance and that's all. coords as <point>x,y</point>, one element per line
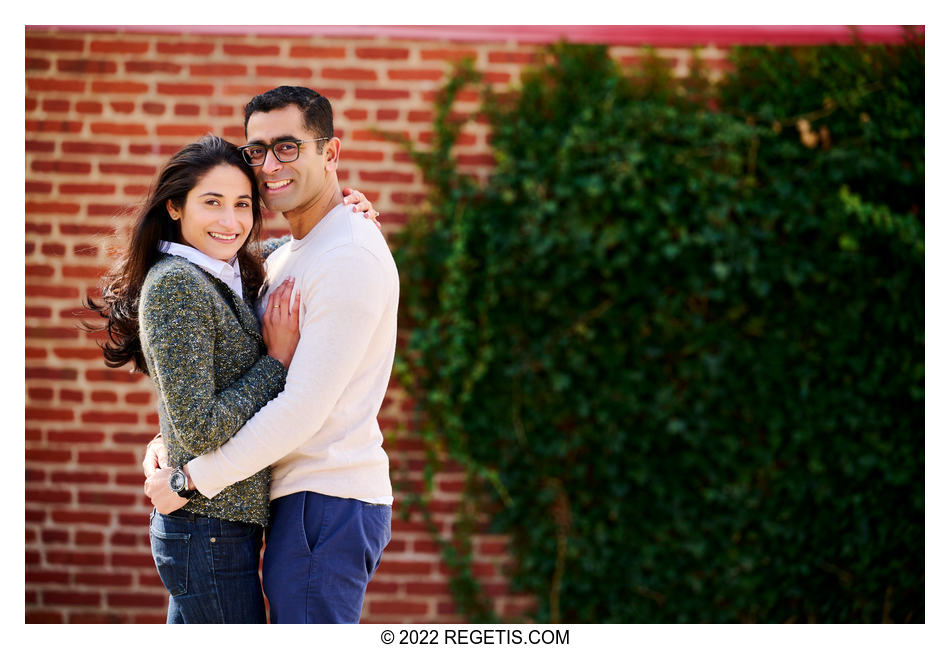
<point>287,186</point>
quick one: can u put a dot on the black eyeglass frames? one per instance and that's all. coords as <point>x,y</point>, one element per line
<point>284,151</point>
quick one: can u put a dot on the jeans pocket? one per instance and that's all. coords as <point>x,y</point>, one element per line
<point>170,550</point>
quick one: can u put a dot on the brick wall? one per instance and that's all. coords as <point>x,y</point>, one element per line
<point>103,110</point>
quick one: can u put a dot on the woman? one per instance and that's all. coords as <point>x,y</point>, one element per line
<point>180,306</point>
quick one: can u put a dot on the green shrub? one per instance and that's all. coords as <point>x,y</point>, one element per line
<point>681,349</point>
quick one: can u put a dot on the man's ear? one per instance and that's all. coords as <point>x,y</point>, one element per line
<point>331,154</point>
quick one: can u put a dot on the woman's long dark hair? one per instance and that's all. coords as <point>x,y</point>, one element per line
<point>122,284</point>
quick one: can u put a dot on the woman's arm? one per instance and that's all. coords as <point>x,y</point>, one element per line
<point>177,330</point>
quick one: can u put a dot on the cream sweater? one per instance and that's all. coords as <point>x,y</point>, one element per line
<point>321,433</point>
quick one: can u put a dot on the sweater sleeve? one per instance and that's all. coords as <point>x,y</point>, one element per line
<point>344,302</point>
<point>177,328</point>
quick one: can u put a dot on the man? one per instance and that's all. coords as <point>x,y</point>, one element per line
<point>330,493</point>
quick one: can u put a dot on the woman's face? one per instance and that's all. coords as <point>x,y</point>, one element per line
<point>217,215</point>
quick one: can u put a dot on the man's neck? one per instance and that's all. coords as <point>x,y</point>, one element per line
<point>305,218</point>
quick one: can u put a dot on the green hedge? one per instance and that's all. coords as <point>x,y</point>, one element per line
<point>677,339</point>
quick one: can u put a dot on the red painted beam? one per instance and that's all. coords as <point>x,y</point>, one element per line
<point>655,35</point>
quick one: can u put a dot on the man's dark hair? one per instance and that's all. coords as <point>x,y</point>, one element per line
<point>317,113</point>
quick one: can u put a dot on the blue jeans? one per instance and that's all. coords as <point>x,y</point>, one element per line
<point>209,567</point>
<point>321,553</point>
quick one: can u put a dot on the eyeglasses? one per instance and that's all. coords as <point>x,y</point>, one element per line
<point>284,151</point>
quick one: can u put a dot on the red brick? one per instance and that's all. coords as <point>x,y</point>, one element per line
<point>106,498</point>
<point>36,146</point>
<point>89,107</point>
<point>308,52</point>
<point>496,77</point>
<point>52,126</point>
<point>76,436</point>
<point>85,537</point>
<point>96,518</point>
<point>56,373</point>
<point>61,166</point>
<point>387,53</point>
<point>136,600</point>
<point>187,109</point>
<point>124,538</point>
<point>119,87</point>
<point>37,64</point>
<point>138,397</point>
<point>52,207</point>
<point>385,177</point>
<point>117,376</point>
<point>218,70</point>
<point>523,58</point>
<point>55,536</point>
<point>192,89</point>
<point>421,115</point>
<point>36,187</point>
<point>71,395</point>
<point>414,75</point>
<point>220,110</point>
<point>349,74</point>
<point>185,130</point>
<point>153,108</point>
<point>48,414</point>
<point>86,188</point>
<point>387,114</point>
<point>83,617</point>
<point>375,94</point>
<point>42,394</point>
<point>238,49</point>
<point>135,560</point>
<point>44,617</point>
<point>284,71</point>
<point>55,85</point>
<point>355,154</point>
<point>406,567</point>
<point>87,353</point>
<point>123,107</point>
<point>91,147</point>
<point>48,496</point>
<point>87,66</point>
<point>149,67</point>
<point>80,477</point>
<point>70,598</point>
<point>119,46</point>
<point>104,579</point>
<point>447,55</point>
<point>111,128</point>
<point>185,47</point>
<point>47,577</point>
<point>39,270</point>
<point>107,457</point>
<point>47,44</point>
<point>403,608</point>
<point>56,105</point>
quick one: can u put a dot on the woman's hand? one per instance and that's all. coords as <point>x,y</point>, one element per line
<point>360,204</point>
<point>281,323</point>
<point>160,493</point>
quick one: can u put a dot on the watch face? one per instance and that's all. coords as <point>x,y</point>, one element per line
<point>177,481</point>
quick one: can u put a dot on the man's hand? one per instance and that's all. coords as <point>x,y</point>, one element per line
<point>163,498</point>
<point>156,457</point>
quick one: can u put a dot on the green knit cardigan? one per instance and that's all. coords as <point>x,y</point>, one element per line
<point>207,359</point>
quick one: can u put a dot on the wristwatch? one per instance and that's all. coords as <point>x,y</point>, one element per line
<point>178,482</point>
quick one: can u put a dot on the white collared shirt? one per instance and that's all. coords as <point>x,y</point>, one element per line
<point>229,273</point>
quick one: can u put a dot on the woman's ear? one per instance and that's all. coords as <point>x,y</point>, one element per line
<point>172,210</point>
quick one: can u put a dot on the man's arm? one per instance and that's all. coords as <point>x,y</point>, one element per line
<point>343,304</point>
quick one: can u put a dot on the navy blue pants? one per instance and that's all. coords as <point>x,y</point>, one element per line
<point>209,567</point>
<point>320,554</point>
